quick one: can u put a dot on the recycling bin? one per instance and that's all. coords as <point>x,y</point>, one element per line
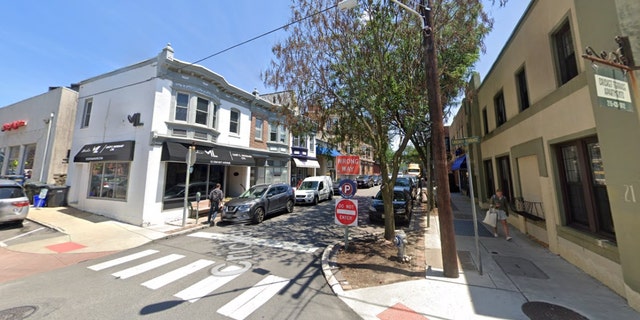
<point>33,188</point>
<point>57,196</point>
<point>39,203</point>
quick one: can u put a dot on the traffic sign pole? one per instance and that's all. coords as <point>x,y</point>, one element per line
<point>346,215</point>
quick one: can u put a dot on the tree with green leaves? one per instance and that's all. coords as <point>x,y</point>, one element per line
<point>363,71</point>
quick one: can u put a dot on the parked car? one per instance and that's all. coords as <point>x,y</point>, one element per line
<point>377,180</point>
<point>258,202</point>
<point>14,204</point>
<point>365,181</point>
<point>402,206</point>
<point>407,183</point>
<point>314,190</point>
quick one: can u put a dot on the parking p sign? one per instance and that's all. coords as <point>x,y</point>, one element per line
<point>347,213</point>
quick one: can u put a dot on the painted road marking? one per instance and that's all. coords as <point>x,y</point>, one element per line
<point>176,274</point>
<point>252,299</point>
<point>118,261</point>
<point>130,272</point>
<point>206,286</point>
<point>292,246</point>
<point>3,244</point>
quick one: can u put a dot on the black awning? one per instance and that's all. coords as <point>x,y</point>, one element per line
<point>107,151</point>
<point>177,152</point>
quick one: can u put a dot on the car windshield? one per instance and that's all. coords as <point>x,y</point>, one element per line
<point>309,185</point>
<point>403,182</point>
<point>11,192</point>
<point>254,192</point>
<point>362,177</point>
<point>397,196</point>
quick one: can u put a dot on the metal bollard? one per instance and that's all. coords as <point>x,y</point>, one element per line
<point>400,240</point>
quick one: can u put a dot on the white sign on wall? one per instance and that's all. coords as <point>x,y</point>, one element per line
<point>613,93</point>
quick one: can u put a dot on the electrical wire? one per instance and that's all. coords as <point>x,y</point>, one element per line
<point>221,51</point>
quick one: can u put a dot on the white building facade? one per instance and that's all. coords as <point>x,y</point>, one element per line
<point>134,127</point>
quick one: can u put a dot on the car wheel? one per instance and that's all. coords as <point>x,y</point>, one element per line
<point>258,216</point>
<point>290,206</point>
<point>315,200</point>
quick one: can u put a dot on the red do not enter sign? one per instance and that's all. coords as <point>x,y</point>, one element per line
<point>347,212</point>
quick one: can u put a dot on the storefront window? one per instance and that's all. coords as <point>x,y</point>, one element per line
<point>202,179</point>
<point>29,155</point>
<point>13,165</point>
<point>109,180</point>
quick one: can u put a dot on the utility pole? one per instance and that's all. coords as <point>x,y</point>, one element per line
<point>445,215</point>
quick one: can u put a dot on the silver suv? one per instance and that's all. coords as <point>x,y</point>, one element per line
<point>14,204</point>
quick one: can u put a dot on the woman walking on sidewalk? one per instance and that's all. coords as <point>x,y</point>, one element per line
<point>499,203</point>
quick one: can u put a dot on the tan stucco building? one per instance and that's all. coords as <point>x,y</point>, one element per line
<point>562,149</point>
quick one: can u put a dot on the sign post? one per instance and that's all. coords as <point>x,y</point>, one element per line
<point>191,159</point>
<point>467,141</point>
<point>347,216</point>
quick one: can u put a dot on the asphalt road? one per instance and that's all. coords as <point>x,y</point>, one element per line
<point>266,271</point>
<point>14,233</point>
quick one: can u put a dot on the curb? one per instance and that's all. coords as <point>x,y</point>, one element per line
<point>50,226</point>
<point>327,268</point>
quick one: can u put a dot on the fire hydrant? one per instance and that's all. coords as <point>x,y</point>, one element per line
<point>400,240</point>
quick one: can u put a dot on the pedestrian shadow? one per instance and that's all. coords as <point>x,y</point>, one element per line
<point>160,306</point>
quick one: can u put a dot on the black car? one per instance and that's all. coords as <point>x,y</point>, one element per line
<point>377,180</point>
<point>402,206</point>
<point>408,184</point>
<point>365,181</point>
<point>259,201</point>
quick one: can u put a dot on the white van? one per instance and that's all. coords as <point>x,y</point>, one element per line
<point>314,190</point>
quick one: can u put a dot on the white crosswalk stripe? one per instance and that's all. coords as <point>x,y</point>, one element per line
<point>239,307</point>
<point>252,299</point>
<point>128,273</point>
<point>206,286</point>
<point>125,259</point>
<point>176,274</point>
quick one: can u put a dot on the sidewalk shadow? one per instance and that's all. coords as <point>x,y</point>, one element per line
<point>84,215</point>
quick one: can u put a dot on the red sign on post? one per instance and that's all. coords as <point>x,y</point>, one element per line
<point>347,213</point>
<point>348,165</point>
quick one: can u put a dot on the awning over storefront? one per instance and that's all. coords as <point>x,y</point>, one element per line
<point>459,163</point>
<point>306,163</point>
<point>107,151</point>
<point>327,151</point>
<point>177,152</point>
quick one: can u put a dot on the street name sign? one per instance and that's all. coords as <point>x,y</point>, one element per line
<point>465,141</point>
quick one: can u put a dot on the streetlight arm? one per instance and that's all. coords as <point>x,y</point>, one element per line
<point>406,7</point>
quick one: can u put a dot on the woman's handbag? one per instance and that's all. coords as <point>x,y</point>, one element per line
<point>491,218</point>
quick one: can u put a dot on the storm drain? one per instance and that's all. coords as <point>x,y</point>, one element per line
<point>516,266</point>
<point>537,310</point>
<point>17,313</point>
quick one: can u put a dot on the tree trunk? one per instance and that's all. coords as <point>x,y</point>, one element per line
<point>445,216</point>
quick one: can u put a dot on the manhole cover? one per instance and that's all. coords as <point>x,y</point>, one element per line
<point>537,310</point>
<point>17,313</point>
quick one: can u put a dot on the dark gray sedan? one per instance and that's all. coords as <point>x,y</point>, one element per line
<point>258,202</point>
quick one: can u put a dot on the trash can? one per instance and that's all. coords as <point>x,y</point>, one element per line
<point>33,188</point>
<point>57,196</point>
<point>39,203</point>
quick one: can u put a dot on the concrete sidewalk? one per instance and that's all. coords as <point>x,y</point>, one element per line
<point>81,236</point>
<point>520,280</point>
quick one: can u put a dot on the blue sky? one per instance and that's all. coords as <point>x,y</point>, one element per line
<point>56,43</point>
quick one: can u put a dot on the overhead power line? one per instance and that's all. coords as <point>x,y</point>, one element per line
<point>223,50</point>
